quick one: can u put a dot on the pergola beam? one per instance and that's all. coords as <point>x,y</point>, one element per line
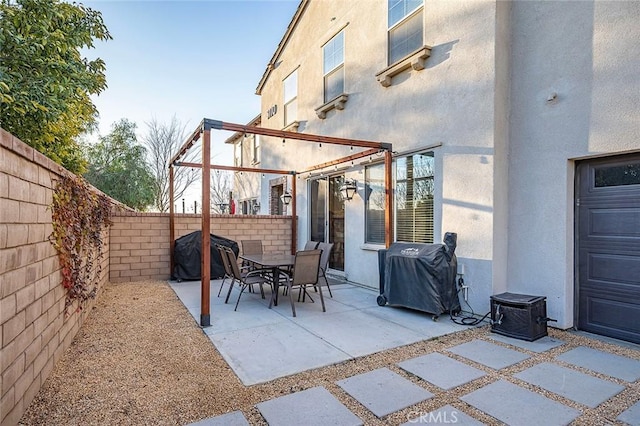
<point>283,134</point>
<point>341,160</point>
<point>236,169</point>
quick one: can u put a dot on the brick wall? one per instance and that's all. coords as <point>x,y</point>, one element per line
<point>140,241</point>
<point>34,330</point>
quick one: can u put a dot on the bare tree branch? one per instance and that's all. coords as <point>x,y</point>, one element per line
<point>221,186</point>
<point>162,141</point>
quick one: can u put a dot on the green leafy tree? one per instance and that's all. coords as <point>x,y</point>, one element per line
<point>45,83</point>
<point>118,167</point>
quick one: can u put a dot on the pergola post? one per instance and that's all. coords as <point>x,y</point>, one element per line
<point>172,225</point>
<point>388,200</point>
<point>294,225</point>
<point>205,316</point>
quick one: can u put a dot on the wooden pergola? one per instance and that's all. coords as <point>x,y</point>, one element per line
<point>204,131</point>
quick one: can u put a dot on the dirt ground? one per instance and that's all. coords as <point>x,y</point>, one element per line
<point>141,359</point>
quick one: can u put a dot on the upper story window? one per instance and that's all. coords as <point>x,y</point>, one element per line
<point>255,149</point>
<point>291,98</point>
<point>333,67</point>
<point>405,28</point>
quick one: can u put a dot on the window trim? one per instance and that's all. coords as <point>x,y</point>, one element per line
<point>414,60</point>
<point>335,103</point>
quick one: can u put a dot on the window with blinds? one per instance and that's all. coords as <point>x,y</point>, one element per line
<point>414,198</point>
<point>374,204</point>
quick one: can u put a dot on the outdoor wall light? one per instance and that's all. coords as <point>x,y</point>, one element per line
<point>286,198</point>
<point>348,189</point>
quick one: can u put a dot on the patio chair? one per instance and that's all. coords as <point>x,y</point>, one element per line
<point>228,273</point>
<point>324,263</point>
<point>305,273</point>
<point>311,245</point>
<point>248,279</point>
<point>251,247</point>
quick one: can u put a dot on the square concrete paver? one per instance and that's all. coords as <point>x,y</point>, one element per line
<point>311,407</point>
<point>517,406</point>
<point>612,365</point>
<point>446,415</point>
<point>543,344</point>
<point>631,416</point>
<point>485,353</point>
<point>383,392</point>
<point>235,418</point>
<point>441,370</point>
<point>579,387</point>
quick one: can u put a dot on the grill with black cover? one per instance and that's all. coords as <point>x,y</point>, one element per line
<point>420,276</point>
<point>187,259</point>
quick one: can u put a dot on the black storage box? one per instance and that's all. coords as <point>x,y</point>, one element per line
<point>520,316</point>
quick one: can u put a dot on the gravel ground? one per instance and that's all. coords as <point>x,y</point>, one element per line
<point>141,359</point>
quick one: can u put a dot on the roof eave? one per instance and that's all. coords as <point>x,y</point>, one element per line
<point>285,38</point>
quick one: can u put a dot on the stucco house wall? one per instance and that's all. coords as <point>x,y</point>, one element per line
<point>420,110</point>
<point>574,94</point>
<point>514,93</point>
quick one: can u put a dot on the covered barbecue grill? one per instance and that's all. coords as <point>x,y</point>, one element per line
<point>187,256</point>
<point>420,276</point>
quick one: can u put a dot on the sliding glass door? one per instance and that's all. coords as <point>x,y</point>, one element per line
<point>327,217</point>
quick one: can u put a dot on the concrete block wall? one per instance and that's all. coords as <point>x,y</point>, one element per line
<point>34,330</point>
<point>140,241</point>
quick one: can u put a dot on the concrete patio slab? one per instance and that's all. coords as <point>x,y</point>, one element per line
<point>612,365</point>
<point>517,406</point>
<point>384,392</point>
<point>311,407</point>
<point>262,344</point>
<point>446,415</point>
<point>420,322</point>
<point>631,416</point>
<point>235,418</point>
<point>440,370</point>
<point>357,333</point>
<point>543,344</point>
<point>261,354</point>
<point>579,387</point>
<point>488,354</point>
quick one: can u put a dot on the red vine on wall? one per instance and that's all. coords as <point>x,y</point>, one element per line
<point>80,216</point>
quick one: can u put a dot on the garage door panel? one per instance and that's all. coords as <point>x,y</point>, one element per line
<point>614,268</point>
<point>614,222</point>
<point>610,316</point>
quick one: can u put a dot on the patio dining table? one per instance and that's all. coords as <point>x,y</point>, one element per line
<point>274,262</point>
